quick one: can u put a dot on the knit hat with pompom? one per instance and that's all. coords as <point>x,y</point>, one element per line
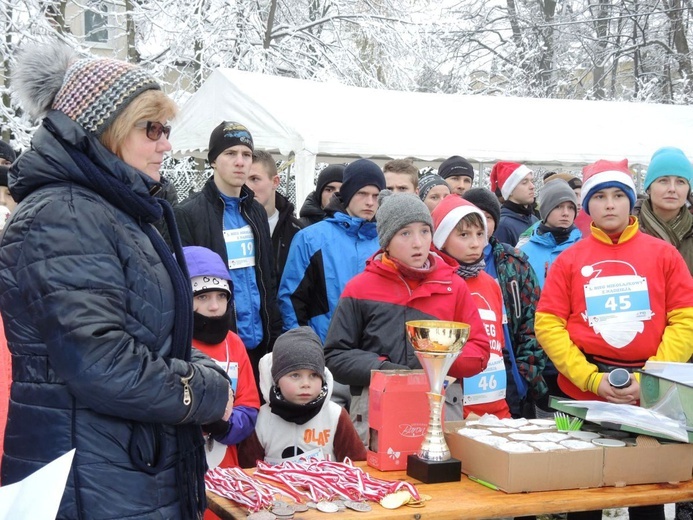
<point>91,91</point>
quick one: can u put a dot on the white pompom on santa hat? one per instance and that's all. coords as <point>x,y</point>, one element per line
<point>506,176</point>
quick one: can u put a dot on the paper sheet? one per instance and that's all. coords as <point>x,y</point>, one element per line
<point>38,495</point>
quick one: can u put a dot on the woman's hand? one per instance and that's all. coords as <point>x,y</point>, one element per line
<point>229,406</point>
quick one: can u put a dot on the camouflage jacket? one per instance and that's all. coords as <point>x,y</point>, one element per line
<point>521,294</point>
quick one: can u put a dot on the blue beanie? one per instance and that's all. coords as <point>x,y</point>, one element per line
<point>358,174</point>
<point>668,161</point>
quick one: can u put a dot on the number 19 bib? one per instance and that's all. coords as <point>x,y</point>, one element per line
<point>240,247</point>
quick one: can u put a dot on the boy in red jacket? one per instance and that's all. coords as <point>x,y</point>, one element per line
<point>403,281</point>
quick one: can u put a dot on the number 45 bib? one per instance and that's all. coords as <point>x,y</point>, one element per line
<point>617,299</point>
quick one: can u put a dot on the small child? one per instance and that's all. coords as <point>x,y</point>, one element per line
<point>298,419</point>
<point>460,232</point>
<point>211,335</point>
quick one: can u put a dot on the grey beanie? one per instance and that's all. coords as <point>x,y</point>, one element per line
<point>398,211</point>
<point>554,193</point>
<point>297,349</point>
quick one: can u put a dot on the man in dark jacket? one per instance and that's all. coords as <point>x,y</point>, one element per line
<point>329,183</point>
<point>226,218</point>
<point>264,181</point>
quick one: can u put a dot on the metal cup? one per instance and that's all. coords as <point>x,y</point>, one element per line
<point>437,344</point>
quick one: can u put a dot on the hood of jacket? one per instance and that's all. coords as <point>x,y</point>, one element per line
<point>312,209</point>
<point>283,206</point>
<point>355,226</point>
<point>266,383</point>
<point>48,162</point>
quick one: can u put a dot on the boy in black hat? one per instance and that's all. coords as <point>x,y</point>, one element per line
<point>329,182</point>
<point>298,420</point>
<point>458,173</point>
<point>226,218</point>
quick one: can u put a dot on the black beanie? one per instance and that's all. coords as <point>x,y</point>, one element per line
<point>331,173</point>
<point>226,135</point>
<point>358,174</point>
<point>6,152</point>
<point>455,166</point>
<point>486,201</point>
<point>3,175</point>
<point>297,349</point>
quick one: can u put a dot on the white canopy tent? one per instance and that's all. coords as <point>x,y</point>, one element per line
<point>325,121</point>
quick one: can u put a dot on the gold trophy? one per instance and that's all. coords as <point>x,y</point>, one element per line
<point>437,344</point>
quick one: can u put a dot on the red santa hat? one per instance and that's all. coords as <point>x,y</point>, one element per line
<point>607,174</point>
<point>506,176</point>
<point>448,213</point>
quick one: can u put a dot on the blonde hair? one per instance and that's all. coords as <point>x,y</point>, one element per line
<point>151,105</point>
<point>403,166</point>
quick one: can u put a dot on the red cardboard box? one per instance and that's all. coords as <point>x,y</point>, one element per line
<point>398,415</point>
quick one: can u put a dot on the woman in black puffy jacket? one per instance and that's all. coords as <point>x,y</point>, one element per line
<point>97,311</point>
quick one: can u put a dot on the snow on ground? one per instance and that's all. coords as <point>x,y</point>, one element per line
<point>622,513</point>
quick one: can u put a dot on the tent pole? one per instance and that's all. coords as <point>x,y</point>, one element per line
<point>304,176</point>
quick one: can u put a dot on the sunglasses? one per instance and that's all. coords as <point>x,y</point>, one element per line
<point>154,129</point>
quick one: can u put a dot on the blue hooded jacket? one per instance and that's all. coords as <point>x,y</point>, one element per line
<point>322,259</point>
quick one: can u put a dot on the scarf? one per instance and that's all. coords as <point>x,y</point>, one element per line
<point>412,273</point>
<point>296,413</point>
<point>522,209</point>
<point>678,231</point>
<point>191,464</point>
<point>211,329</point>
<point>471,270</point>
<point>559,234</point>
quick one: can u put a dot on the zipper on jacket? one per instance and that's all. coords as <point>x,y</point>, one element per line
<point>515,288</point>
<point>187,391</point>
<point>261,281</point>
<point>188,396</point>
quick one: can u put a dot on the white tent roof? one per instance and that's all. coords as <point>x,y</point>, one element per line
<point>331,120</point>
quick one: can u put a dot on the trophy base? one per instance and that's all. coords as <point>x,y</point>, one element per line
<point>430,472</point>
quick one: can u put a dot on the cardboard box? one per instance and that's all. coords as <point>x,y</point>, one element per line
<point>398,414</point>
<point>648,462</point>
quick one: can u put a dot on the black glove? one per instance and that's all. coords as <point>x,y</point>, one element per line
<point>217,429</point>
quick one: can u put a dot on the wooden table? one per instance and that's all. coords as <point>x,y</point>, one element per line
<point>467,499</point>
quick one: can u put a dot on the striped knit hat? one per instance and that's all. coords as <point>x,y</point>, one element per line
<point>95,91</point>
<point>91,91</point>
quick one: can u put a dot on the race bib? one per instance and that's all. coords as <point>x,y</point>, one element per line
<point>617,299</point>
<point>487,386</point>
<point>231,369</point>
<point>240,247</point>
